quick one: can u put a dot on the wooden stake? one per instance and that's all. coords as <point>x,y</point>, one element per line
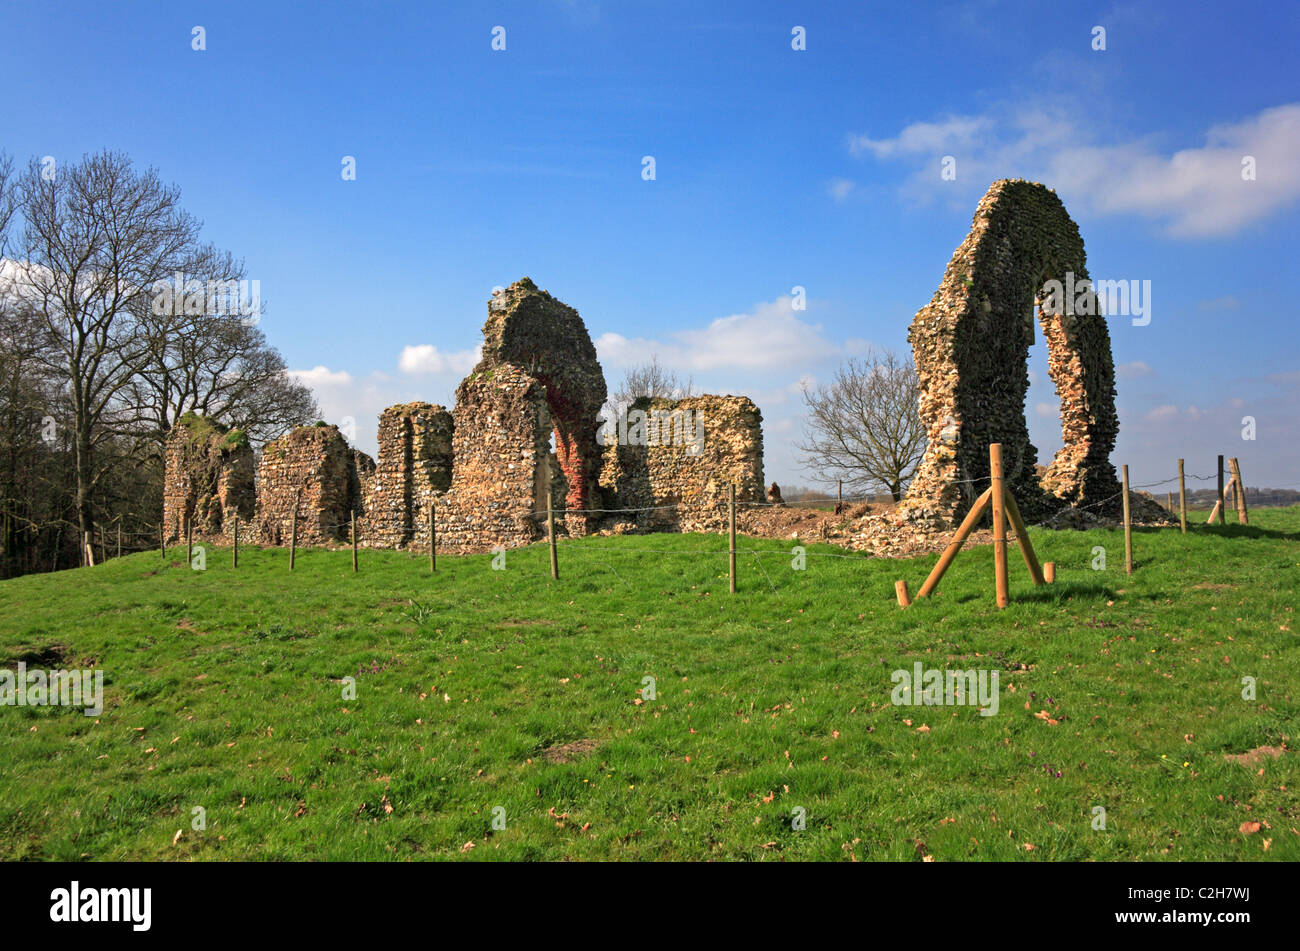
<point>354,541</point>
<point>963,532</point>
<point>1022,537</point>
<point>900,589</point>
<point>1223,518</point>
<point>189,540</point>
<point>839,494</point>
<point>293,535</point>
<point>998,499</point>
<point>1242,514</point>
<point>1182,498</point>
<point>731,519</point>
<point>550,534</point>
<point>1049,572</point>
<point>234,552</point>
<point>433,537</point>
<point>1128,528</point>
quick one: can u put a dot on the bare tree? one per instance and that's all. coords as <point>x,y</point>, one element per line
<point>216,362</point>
<point>97,236</point>
<point>864,426</point>
<point>651,379</point>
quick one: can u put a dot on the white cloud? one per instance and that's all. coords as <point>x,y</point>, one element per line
<point>322,376</point>
<point>1133,371</point>
<point>1196,192</point>
<point>1161,413</point>
<point>426,358</point>
<point>772,335</point>
<point>840,188</point>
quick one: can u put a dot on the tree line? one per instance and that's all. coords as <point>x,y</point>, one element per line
<point>99,359</point>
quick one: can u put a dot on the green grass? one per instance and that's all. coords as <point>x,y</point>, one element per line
<point>224,691</point>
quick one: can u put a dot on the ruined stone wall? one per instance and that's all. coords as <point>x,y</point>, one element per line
<point>415,465</point>
<point>208,477</point>
<point>311,468</point>
<point>678,458</point>
<point>971,343</point>
<point>503,464</point>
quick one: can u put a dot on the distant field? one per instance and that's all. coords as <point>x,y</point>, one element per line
<point>478,689</point>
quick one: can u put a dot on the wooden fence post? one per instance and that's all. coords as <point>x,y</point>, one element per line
<point>119,539</point>
<point>88,549</point>
<point>1049,572</point>
<point>354,541</point>
<point>900,589</point>
<point>189,541</point>
<point>234,554</point>
<point>998,499</point>
<point>1128,528</point>
<point>731,531</point>
<point>1182,498</point>
<point>550,533</point>
<point>1242,514</point>
<point>103,546</point>
<point>433,536</point>
<point>162,539</point>
<point>1223,517</point>
<point>293,535</point>
<point>839,495</point>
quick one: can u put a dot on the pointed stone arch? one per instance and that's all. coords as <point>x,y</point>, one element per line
<point>971,344</point>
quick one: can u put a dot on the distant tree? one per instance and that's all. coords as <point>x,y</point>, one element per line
<point>651,379</point>
<point>864,426</point>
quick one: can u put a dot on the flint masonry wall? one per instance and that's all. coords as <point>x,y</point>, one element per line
<point>970,345</point>
<point>679,457</point>
<point>415,466</point>
<point>208,477</point>
<point>313,469</point>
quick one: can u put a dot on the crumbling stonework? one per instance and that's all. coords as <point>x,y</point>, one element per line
<point>313,470</point>
<point>692,451</point>
<point>538,379</point>
<point>208,477</point>
<point>415,466</point>
<point>503,463</point>
<point>971,343</point>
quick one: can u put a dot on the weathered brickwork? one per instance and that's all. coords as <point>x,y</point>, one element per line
<point>694,449</point>
<point>313,470</point>
<point>415,454</point>
<point>971,343</point>
<point>208,478</point>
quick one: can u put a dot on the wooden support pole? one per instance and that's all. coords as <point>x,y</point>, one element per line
<point>1242,514</point>
<point>88,549</point>
<point>998,499</point>
<point>293,536</point>
<point>1128,527</point>
<point>1169,503</point>
<point>1022,537</point>
<point>900,589</point>
<point>1182,498</point>
<point>189,540</point>
<point>839,495</point>
<point>234,552</point>
<point>354,541</point>
<point>963,532</point>
<point>1214,513</point>
<point>162,539</point>
<point>433,537</point>
<point>1049,572</point>
<point>731,521</point>
<point>550,534</point>
<point>1223,518</point>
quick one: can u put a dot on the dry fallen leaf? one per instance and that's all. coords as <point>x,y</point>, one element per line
<point>1249,828</point>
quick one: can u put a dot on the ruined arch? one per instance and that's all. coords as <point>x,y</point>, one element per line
<point>543,337</point>
<point>971,343</point>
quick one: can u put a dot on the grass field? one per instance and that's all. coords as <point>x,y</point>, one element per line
<point>477,689</point>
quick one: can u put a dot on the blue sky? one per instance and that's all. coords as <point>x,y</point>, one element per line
<point>775,168</point>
